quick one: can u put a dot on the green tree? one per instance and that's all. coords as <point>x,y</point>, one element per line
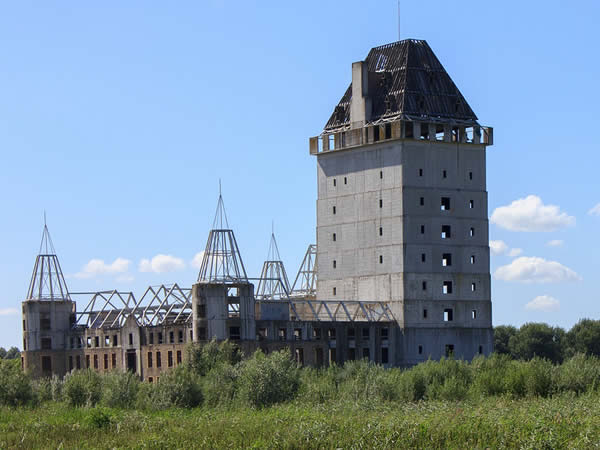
<point>2,353</point>
<point>584,337</point>
<point>502,335</point>
<point>538,339</point>
<point>13,353</point>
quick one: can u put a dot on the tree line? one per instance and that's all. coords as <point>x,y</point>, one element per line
<point>11,353</point>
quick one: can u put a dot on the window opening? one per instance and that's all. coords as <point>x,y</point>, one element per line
<point>424,285</point>
<point>446,259</point>
<point>446,232</point>
<point>449,350</point>
<point>422,201</point>
<point>334,237</point>
<point>471,204</point>
<point>448,315</point>
<point>425,314</point>
<point>472,259</point>
<point>447,287</point>
<point>422,229</point>
<point>472,232</point>
<point>444,174</point>
<point>445,204</point>
<point>334,263</point>
<point>473,287</point>
<point>423,257</point>
<point>380,259</point>
<point>473,314</point>
<point>420,349</point>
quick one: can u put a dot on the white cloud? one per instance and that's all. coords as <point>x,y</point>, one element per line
<point>8,311</point>
<point>197,261</point>
<point>161,264</point>
<point>555,243</point>
<point>543,303</point>
<point>98,267</point>
<point>515,252</point>
<point>530,214</point>
<point>595,211</point>
<point>498,247</point>
<point>535,270</point>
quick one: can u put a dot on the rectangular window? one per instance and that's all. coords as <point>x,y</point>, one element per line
<point>106,361</point>
<point>45,322</point>
<point>473,287</point>
<point>366,354</point>
<point>380,231</point>
<point>334,209</point>
<point>24,326</point>
<point>114,360</point>
<point>446,232</point>
<point>191,335</point>
<point>151,339</point>
<point>473,314</point>
<point>46,343</point>
<point>115,340</point>
<point>107,341</point>
<point>444,174</point>
<point>316,333</point>
<point>331,334</point>
<point>95,361</point>
<point>334,183</point>
<point>424,314</point>
<point>299,356</point>
<point>202,333</point>
<point>381,203</point>
<point>381,174</point>
<point>97,341</point>
<point>158,360</point>
<point>384,355</point>
<point>87,361</point>
<point>423,257</point>
<point>130,338</point>
<point>446,259</point>
<point>385,332</point>
<point>447,287</point>
<point>180,336</point>
<point>445,204</point>
<point>424,285</point>
<point>470,175</point>
<point>150,380</point>
<point>282,334</point>
<point>332,355</point>
<point>420,349</point>
<point>388,131</point>
<point>472,259</point>
<point>70,363</point>
<point>422,201</point>
<point>78,362</point>
<point>449,350</point>
<point>351,354</point>
<point>178,357</point>
<point>46,364</point>
<point>171,337</point>
<point>334,237</point>
<point>380,259</point>
<point>297,334</point>
<point>351,333</point>
<point>234,333</point>
<point>149,359</point>
<point>170,359</point>
<point>471,204</point>
<point>481,349</point>
<point>365,333</point>
<point>160,340</point>
<point>422,229</point>
<point>345,180</point>
<point>334,291</point>
<point>420,172</point>
<point>448,315</point>
<point>201,311</point>
<point>472,232</point>
<point>334,263</point>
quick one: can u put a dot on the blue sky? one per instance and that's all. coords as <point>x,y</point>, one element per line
<point>119,118</point>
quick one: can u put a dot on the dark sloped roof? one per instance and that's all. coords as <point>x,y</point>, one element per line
<point>406,80</point>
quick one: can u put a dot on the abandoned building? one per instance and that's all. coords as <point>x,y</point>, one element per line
<point>399,273</point>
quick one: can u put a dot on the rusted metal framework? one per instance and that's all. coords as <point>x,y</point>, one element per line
<point>159,305</point>
<point>47,280</point>
<point>406,81</point>
<point>305,284</point>
<point>222,262</point>
<point>340,311</point>
<point>273,283</point>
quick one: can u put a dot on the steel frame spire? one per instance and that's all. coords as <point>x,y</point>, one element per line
<point>273,283</point>
<point>305,284</point>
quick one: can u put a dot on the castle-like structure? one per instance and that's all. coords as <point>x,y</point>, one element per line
<point>400,272</point>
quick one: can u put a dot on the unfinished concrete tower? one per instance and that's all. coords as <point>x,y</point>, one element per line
<point>48,314</point>
<point>273,283</point>
<point>223,298</point>
<point>402,203</point>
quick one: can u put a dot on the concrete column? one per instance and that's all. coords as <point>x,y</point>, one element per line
<point>360,106</point>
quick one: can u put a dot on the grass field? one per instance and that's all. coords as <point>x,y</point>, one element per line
<point>563,421</point>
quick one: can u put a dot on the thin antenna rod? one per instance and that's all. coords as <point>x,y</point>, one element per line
<point>399,36</point>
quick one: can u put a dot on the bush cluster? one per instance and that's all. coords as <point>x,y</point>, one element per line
<point>215,375</point>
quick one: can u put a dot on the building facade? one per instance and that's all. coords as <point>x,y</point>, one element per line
<point>400,272</point>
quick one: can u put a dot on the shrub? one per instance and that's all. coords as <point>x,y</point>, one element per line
<point>266,380</point>
<point>318,386</point>
<point>179,387</point>
<point>82,388</point>
<point>579,374</point>
<point>120,389</point>
<point>15,386</point>
<point>220,385</point>
<point>489,374</point>
<point>202,358</point>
